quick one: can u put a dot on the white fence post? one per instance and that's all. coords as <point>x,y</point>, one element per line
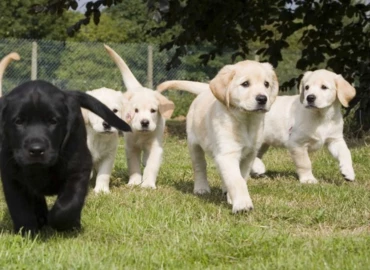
<point>34,61</point>
<point>150,67</point>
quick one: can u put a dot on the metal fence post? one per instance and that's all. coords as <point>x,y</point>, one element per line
<point>150,67</point>
<point>34,61</point>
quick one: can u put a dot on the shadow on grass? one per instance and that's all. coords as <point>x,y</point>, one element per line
<point>6,227</point>
<point>276,174</point>
<point>292,176</point>
<point>216,196</point>
<point>176,128</point>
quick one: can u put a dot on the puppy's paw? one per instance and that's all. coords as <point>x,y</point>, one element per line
<point>201,191</point>
<point>242,204</point>
<point>147,184</point>
<point>101,190</point>
<point>348,174</point>
<point>258,168</point>
<point>311,180</point>
<point>201,187</point>
<point>134,181</point>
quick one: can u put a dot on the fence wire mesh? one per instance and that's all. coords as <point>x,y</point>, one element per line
<point>85,66</point>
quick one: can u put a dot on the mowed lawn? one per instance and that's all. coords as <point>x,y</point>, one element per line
<point>293,226</point>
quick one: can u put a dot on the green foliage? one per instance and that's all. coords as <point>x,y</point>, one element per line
<point>17,22</point>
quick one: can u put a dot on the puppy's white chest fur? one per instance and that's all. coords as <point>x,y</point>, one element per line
<point>101,145</point>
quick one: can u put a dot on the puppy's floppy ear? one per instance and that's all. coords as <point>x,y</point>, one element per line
<point>220,84</point>
<point>166,106</point>
<point>275,82</point>
<point>85,113</point>
<point>127,109</point>
<point>72,115</point>
<point>345,91</point>
<point>301,85</point>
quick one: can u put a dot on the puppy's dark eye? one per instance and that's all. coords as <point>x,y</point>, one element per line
<point>114,110</point>
<point>136,110</point>
<point>324,87</point>
<point>153,111</point>
<point>19,121</point>
<point>306,87</point>
<point>267,84</point>
<point>245,84</point>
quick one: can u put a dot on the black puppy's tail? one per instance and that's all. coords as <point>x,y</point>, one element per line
<point>92,104</point>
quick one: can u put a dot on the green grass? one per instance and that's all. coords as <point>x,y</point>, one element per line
<point>293,226</point>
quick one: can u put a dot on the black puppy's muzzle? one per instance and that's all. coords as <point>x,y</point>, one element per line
<point>36,150</point>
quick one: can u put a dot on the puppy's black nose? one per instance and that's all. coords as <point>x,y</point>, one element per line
<point>106,126</point>
<point>36,150</point>
<point>144,123</point>
<point>311,98</point>
<point>261,99</point>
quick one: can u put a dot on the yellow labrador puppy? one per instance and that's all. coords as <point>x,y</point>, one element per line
<point>146,113</point>
<point>308,121</point>
<point>102,139</point>
<point>4,63</point>
<point>226,121</point>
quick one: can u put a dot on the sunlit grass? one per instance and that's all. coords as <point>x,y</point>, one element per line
<point>293,226</point>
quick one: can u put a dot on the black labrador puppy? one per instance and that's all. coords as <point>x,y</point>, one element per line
<point>44,152</point>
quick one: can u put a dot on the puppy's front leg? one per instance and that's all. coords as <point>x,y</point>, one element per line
<point>104,173</point>
<point>236,186</point>
<point>133,163</point>
<point>66,212</point>
<point>339,150</point>
<point>303,165</point>
<point>28,212</point>
<point>153,163</point>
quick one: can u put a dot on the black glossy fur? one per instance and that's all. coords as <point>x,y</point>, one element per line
<point>44,152</point>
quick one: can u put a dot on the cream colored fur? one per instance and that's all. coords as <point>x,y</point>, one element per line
<point>4,63</point>
<point>302,126</point>
<point>103,141</point>
<point>226,121</point>
<point>146,113</point>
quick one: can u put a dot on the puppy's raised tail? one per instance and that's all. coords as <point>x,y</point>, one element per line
<point>4,63</point>
<point>127,76</point>
<point>192,87</point>
<point>92,104</point>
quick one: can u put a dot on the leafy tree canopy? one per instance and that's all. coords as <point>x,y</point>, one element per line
<point>332,34</point>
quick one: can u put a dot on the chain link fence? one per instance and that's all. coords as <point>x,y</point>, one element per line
<point>85,66</point>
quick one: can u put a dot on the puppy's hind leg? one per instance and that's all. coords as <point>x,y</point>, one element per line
<point>258,167</point>
<point>340,151</point>
<point>199,163</point>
